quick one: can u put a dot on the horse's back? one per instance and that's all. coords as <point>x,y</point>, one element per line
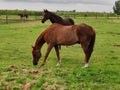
<point>61,34</point>
<point>58,29</point>
<point>85,29</point>
<point>81,28</point>
<point>68,21</point>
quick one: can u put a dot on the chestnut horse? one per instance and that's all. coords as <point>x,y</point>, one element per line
<point>56,19</point>
<point>57,34</point>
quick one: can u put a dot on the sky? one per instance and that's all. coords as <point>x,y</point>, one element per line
<point>53,5</point>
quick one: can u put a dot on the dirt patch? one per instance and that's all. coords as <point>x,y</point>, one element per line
<point>27,86</point>
<point>23,71</point>
<point>52,87</point>
<point>13,67</point>
<point>48,71</point>
<point>117,45</point>
<point>34,72</point>
<point>6,85</point>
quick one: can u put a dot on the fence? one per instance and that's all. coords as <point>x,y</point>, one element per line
<point>88,15</point>
<point>11,16</point>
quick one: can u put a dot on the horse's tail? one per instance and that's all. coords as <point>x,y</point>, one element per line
<point>92,42</point>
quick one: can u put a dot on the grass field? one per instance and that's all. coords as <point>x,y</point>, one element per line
<point>18,73</point>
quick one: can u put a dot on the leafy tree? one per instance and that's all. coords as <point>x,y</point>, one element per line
<point>116,8</point>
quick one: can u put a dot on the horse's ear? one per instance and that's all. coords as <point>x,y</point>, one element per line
<point>44,10</point>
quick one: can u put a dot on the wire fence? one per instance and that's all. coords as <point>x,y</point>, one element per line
<point>8,17</point>
<point>13,17</point>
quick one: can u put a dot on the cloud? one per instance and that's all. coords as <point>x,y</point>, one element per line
<point>53,5</point>
<point>98,2</point>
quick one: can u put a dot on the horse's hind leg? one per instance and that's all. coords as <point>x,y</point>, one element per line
<point>58,55</point>
<point>87,51</point>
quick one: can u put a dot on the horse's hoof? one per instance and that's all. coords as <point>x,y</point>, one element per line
<point>58,64</point>
<point>85,66</point>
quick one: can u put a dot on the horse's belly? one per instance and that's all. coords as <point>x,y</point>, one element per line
<point>67,39</point>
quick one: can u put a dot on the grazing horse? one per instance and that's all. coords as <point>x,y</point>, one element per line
<point>57,34</point>
<point>23,15</point>
<point>56,19</point>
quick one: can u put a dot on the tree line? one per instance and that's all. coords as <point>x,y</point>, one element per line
<point>16,12</point>
<point>61,13</point>
<point>116,9</point>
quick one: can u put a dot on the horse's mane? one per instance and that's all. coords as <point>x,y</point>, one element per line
<point>40,39</point>
<point>56,16</point>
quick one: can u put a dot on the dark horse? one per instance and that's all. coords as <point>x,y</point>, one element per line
<point>56,19</point>
<point>23,15</point>
<point>57,34</point>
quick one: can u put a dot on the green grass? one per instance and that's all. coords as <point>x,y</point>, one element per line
<point>17,71</point>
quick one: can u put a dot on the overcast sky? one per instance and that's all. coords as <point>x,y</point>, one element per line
<point>53,5</point>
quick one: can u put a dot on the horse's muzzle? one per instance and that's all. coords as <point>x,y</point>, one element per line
<point>42,21</point>
<point>35,63</point>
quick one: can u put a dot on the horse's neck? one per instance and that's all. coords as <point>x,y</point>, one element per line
<point>39,42</point>
<point>56,19</point>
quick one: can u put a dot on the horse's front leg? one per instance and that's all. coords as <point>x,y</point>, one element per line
<point>58,55</point>
<point>50,46</point>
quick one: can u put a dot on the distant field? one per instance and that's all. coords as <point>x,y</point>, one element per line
<point>17,19</point>
<point>13,17</point>
<point>18,73</point>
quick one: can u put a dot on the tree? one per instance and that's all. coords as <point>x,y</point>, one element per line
<point>116,8</point>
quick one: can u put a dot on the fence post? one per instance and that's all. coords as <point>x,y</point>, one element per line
<point>6,16</point>
<point>117,16</point>
<point>96,15</point>
<point>85,16</point>
<point>108,16</point>
<point>74,15</point>
<point>36,15</point>
<point>24,13</point>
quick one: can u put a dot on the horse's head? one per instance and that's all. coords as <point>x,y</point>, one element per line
<point>46,16</point>
<point>36,55</point>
